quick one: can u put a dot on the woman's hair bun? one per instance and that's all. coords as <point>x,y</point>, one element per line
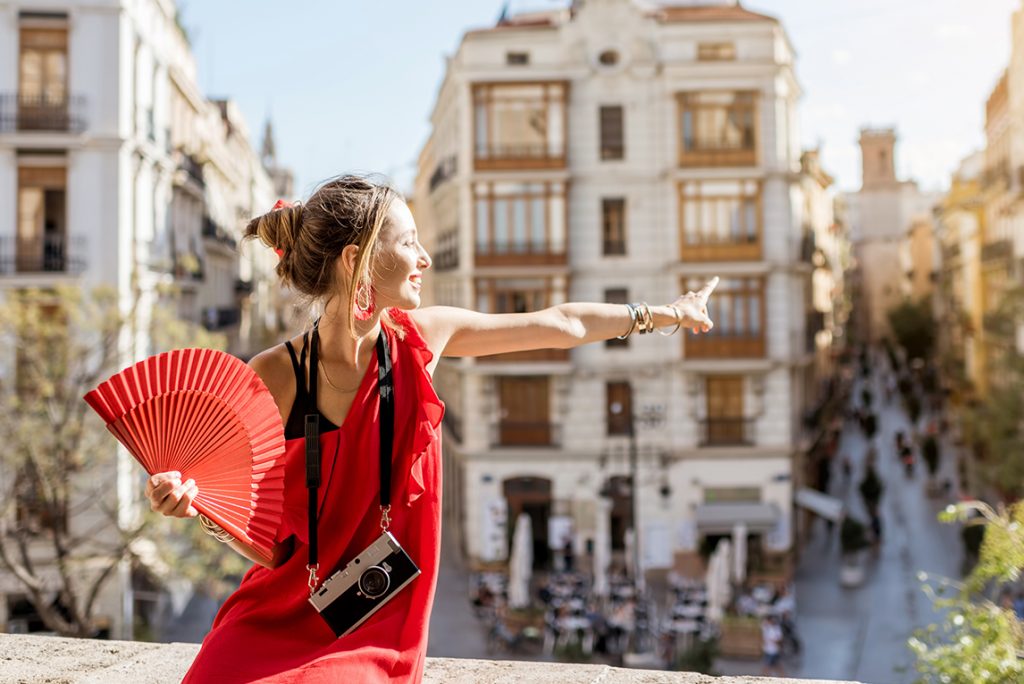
<point>278,228</point>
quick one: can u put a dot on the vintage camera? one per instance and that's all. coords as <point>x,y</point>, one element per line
<point>357,591</point>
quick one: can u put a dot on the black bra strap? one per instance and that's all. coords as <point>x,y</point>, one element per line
<point>300,372</point>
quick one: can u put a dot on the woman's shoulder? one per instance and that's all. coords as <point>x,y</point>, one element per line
<point>274,368</point>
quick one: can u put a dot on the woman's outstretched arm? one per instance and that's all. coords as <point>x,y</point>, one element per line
<point>461,332</point>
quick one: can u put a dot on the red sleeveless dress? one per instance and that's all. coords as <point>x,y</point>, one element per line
<point>267,631</point>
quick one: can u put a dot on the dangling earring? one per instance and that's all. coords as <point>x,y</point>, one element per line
<point>364,302</point>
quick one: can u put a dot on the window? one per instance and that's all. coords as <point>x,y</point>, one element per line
<point>525,412</point>
<point>613,226</point>
<point>515,295</point>
<point>612,133</point>
<point>717,128</point>
<point>716,52</point>
<point>40,242</point>
<point>519,125</point>
<point>520,221</point>
<point>608,58</point>
<point>619,407</point>
<point>617,295</point>
<point>720,213</point>
<point>517,58</point>
<point>725,421</point>
<point>42,78</point>
<point>738,309</point>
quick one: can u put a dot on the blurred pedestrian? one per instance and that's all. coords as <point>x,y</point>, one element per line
<point>771,646</point>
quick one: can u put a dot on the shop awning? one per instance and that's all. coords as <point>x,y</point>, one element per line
<point>720,518</point>
<point>828,507</point>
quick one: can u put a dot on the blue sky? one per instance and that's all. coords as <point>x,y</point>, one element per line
<point>350,85</point>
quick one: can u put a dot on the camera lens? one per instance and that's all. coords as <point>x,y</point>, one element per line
<point>374,582</point>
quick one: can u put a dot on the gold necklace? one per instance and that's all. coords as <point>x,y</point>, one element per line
<point>328,379</point>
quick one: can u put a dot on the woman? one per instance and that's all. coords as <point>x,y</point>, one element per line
<point>353,249</point>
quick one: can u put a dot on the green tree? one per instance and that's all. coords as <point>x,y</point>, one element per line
<point>62,533</point>
<point>977,640</point>
<point>914,327</point>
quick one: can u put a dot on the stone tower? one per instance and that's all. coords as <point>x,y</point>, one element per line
<point>877,152</point>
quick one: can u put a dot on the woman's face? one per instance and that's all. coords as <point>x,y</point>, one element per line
<point>398,268</point>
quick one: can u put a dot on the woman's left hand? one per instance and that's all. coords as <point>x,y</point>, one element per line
<point>693,306</point>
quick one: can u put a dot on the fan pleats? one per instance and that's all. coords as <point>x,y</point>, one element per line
<point>207,415</point>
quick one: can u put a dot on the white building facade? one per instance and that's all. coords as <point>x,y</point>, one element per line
<point>115,170</point>
<point>614,152</point>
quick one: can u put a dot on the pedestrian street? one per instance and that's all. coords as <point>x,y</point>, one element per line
<point>860,634</point>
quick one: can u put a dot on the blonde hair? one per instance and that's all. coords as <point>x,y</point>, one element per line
<point>347,210</point>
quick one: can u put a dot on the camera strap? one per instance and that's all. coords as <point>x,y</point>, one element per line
<point>386,390</point>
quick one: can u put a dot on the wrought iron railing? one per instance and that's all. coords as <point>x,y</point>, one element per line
<point>47,253</point>
<point>20,112</point>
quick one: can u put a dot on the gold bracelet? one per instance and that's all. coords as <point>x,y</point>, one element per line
<point>679,322</point>
<point>214,530</point>
<point>646,319</point>
<point>632,322</point>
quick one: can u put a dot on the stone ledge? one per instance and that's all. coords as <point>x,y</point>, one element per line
<point>54,660</point>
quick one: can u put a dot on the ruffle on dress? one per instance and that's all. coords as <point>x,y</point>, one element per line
<point>429,408</point>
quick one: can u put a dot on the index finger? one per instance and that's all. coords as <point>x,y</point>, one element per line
<point>705,291</point>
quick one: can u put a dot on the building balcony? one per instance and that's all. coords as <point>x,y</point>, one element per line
<point>214,231</point>
<point>727,432</point>
<point>43,254</point>
<point>541,355</point>
<point>743,249</point>
<point>19,112</point>
<point>444,171</point>
<point>519,254</point>
<point>512,157</point>
<point>193,169</point>
<point>999,250</point>
<point>729,345</point>
<point>740,154</point>
<point>512,433</point>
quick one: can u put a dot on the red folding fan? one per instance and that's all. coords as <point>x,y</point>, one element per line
<point>207,415</point>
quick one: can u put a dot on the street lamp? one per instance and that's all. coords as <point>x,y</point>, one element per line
<point>650,415</point>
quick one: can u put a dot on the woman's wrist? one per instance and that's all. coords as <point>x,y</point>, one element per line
<point>665,316</point>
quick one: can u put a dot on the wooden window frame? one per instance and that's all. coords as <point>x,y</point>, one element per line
<point>612,134</point>
<point>493,254</point>
<point>524,433</point>
<point>725,428</point>
<point>724,342</point>
<point>482,94</point>
<point>610,208</point>
<point>745,155</point>
<point>489,287</point>
<point>741,250</point>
